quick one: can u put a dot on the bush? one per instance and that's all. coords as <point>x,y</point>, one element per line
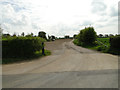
<point>101,48</point>
<point>76,42</point>
<point>21,46</point>
<point>115,42</point>
<point>86,36</point>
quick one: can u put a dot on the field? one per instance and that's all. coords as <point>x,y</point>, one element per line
<point>105,41</point>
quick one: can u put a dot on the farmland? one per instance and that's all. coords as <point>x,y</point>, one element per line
<point>105,41</point>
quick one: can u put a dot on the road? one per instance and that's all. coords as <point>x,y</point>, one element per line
<point>69,66</point>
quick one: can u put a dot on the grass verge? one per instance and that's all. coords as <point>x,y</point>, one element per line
<point>100,47</point>
<point>38,54</point>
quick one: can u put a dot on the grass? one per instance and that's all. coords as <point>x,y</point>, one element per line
<point>104,41</point>
<point>38,54</point>
<point>4,38</point>
<point>102,45</point>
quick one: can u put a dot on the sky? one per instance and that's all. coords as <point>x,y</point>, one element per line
<point>58,17</point>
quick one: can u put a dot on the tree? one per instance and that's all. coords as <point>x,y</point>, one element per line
<point>100,35</point>
<point>111,35</point>
<point>106,35</point>
<point>23,34</point>
<point>53,38</point>
<point>74,35</point>
<point>66,37</point>
<point>6,35</point>
<point>31,34</point>
<point>49,37</point>
<point>14,35</point>
<point>87,35</point>
<point>42,34</point>
<point>28,35</point>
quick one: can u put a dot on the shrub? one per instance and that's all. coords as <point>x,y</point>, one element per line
<point>89,35</point>
<point>115,42</point>
<point>86,36</point>
<point>21,46</point>
<point>76,42</point>
<point>102,48</point>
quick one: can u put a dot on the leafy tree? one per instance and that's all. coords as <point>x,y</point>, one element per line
<point>106,35</point>
<point>49,37</point>
<point>74,36</point>
<point>111,35</point>
<point>42,34</point>
<point>52,38</point>
<point>28,35</point>
<point>115,42</point>
<point>66,37</point>
<point>31,34</point>
<point>23,34</point>
<point>100,35</point>
<point>6,35</point>
<point>87,36</point>
<point>14,35</point>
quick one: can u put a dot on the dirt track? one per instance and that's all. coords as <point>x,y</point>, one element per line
<point>66,61</point>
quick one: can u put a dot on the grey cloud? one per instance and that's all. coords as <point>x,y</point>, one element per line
<point>100,26</point>
<point>103,20</point>
<point>111,22</point>
<point>61,29</point>
<point>99,7</point>
<point>17,7</point>
<point>12,20</point>
<point>114,12</point>
<point>35,26</point>
<point>85,23</point>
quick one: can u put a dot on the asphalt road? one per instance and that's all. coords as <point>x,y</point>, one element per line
<point>69,66</point>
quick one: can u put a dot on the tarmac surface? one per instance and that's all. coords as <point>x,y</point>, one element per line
<point>69,66</point>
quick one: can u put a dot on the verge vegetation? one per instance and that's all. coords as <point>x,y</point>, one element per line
<point>87,38</point>
<point>16,49</point>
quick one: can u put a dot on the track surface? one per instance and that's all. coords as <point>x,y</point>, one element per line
<point>69,66</point>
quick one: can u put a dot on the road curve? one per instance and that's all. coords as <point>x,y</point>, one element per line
<point>69,66</point>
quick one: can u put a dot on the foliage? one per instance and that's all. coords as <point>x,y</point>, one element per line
<point>74,36</point>
<point>51,38</point>
<point>86,36</point>
<point>104,47</point>
<point>105,41</point>
<point>23,34</point>
<point>67,37</point>
<point>21,46</point>
<point>100,35</point>
<point>37,54</point>
<point>76,42</point>
<point>115,41</point>
<point>42,35</point>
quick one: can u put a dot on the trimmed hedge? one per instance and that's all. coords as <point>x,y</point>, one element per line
<point>115,42</point>
<point>21,46</point>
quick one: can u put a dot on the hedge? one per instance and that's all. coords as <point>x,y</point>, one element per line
<point>115,42</point>
<point>21,46</point>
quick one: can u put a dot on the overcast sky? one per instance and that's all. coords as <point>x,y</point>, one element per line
<point>58,17</point>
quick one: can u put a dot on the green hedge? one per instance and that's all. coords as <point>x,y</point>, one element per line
<point>21,46</point>
<point>115,42</point>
